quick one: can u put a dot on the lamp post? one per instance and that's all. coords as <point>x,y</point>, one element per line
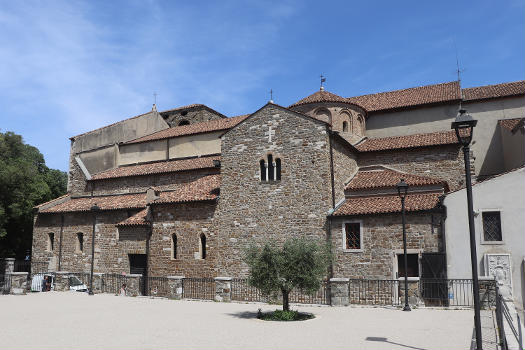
<point>402,189</point>
<point>94,210</point>
<point>464,127</point>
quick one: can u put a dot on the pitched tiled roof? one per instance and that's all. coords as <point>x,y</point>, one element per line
<point>158,168</point>
<point>387,204</point>
<point>203,189</point>
<point>322,96</point>
<point>197,128</point>
<point>421,95</point>
<point>510,124</point>
<point>138,219</point>
<point>195,105</point>
<point>493,91</point>
<point>380,177</point>
<point>123,201</point>
<point>410,141</point>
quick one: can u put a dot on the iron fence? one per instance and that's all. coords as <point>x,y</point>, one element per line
<point>113,282</point>
<point>198,288</point>
<point>502,315</point>
<point>5,284</point>
<point>374,292</point>
<point>322,296</point>
<point>157,286</point>
<point>242,291</point>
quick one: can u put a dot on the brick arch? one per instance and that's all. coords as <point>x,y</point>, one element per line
<point>324,114</point>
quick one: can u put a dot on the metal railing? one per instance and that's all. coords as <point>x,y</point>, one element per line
<point>374,292</point>
<point>242,291</point>
<point>113,282</point>
<point>502,315</point>
<point>322,296</point>
<point>157,286</point>
<point>5,284</point>
<point>198,288</point>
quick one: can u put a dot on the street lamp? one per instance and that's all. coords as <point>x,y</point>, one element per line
<point>94,210</point>
<point>402,189</point>
<point>464,127</point>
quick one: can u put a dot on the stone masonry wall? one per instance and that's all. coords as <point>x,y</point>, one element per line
<point>112,244</point>
<point>162,182</point>
<point>187,221</point>
<point>193,116</point>
<point>382,236</point>
<point>253,212</point>
<point>442,162</point>
<point>345,166</point>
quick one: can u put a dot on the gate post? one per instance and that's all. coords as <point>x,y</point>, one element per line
<point>223,289</point>
<point>9,265</point>
<point>61,281</point>
<point>175,285</point>
<point>339,291</point>
<point>18,282</point>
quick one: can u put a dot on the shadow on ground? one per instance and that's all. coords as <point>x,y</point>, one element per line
<point>385,340</point>
<point>244,314</point>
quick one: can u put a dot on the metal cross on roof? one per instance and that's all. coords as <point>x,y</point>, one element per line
<point>323,79</point>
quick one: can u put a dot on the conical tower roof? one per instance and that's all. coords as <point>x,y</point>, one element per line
<point>322,96</point>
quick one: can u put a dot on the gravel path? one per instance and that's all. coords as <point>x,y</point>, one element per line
<point>67,320</point>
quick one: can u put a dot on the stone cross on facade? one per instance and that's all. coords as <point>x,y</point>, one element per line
<point>270,133</point>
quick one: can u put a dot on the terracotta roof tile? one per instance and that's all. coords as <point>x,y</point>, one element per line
<point>421,95</point>
<point>410,141</point>
<point>387,204</point>
<point>192,106</point>
<point>124,201</point>
<point>158,168</point>
<point>380,177</point>
<point>511,124</point>
<point>138,219</point>
<point>322,96</point>
<point>197,128</point>
<point>202,189</point>
<point>493,91</point>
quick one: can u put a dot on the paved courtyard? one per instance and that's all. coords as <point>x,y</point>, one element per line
<point>75,320</point>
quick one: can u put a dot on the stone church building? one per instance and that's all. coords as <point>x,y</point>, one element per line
<point>185,191</point>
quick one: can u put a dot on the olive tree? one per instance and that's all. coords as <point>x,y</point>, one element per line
<point>299,263</point>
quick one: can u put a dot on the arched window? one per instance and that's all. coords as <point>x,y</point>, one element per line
<point>202,247</point>
<point>50,241</point>
<point>174,246</point>
<point>184,122</point>
<point>270,171</point>
<point>345,126</point>
<point>80,242</point>
<point>360,125</point>
<point>271,166</point>
<point>262,164</point>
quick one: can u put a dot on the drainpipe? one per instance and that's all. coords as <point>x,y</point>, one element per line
<point>332,183</point>
<point>148,239</point>
<point>60,242</point>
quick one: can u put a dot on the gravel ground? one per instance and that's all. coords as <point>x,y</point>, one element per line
<point>70,320</point>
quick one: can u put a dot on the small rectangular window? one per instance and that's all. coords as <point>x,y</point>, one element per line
<point>353,235</point>
<point>492,226</point>
<point>412,265</point>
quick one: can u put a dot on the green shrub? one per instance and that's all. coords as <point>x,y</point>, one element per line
<point>284,315</point>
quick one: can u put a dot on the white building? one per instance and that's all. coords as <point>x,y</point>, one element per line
<point>499,208</point>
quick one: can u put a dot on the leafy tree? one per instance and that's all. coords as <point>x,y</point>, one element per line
<point>299,263</point>
<point>25,181</point>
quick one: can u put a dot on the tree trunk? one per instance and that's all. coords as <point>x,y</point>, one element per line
<point>286,301</point>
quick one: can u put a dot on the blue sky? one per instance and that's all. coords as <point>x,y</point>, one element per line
<point>67,67</point>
